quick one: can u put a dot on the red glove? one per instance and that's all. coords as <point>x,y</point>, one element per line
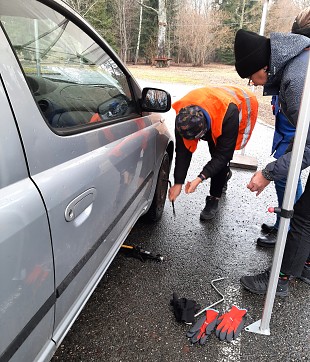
<point>203,327</point>
<point>230,324</point>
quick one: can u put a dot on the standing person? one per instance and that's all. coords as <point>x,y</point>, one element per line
<point>280,64</point>
<point>222,116</point>
<point>284,132</point>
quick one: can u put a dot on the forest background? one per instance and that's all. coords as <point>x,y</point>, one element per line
<point>195,32</point>
<point>197,35</point>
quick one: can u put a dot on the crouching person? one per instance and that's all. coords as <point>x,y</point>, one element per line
<point>224,117</point>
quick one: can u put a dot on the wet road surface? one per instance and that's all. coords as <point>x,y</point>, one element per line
<point>128,318</point>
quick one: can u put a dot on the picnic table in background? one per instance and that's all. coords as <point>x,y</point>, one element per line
<point>162,62</point>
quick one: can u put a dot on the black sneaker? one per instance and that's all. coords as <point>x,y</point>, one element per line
<point>227,179</point>
<point>258,284</point>
<point>305,275</point>
<point>269,240</point>
<point>209,211</point>
<point>267,228</point>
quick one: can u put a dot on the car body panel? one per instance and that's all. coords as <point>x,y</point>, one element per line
<point>26,260</point>
<point>75,191</point>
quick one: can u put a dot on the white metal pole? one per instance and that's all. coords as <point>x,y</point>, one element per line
<point>262,326</point>
<point>263,21</point>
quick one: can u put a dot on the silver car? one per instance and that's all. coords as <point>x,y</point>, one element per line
<point>83,156</point>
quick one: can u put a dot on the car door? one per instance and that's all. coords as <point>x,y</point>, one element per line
<point>89,152</point>
<point>27,293</point>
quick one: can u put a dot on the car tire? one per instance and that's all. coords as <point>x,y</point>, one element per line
<point>157,207</point>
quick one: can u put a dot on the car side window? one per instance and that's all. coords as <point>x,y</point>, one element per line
<point>73,80</point>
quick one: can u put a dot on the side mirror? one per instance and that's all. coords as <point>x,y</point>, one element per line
<point>155,100</point>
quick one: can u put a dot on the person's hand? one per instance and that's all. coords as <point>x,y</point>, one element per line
<point>258,183</point>
<point>191,185</point>
<point>174,192</point>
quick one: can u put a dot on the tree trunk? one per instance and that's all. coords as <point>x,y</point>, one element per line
<point>122,30</point>
<point>242,15</point>
<point>162,24</point>
<point>139,34</point>
<point>125,49</point>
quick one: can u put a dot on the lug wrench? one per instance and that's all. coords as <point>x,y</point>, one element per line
<point>172,202</point>
<point>218,302</point>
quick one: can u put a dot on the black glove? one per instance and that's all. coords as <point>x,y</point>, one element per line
<point>201,330</point>
<point>184,309</point>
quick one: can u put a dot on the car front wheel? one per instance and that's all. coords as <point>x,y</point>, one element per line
<point>157,207</point>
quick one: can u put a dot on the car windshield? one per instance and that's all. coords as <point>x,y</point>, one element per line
<point>48,47</point>
<point>70,75</point>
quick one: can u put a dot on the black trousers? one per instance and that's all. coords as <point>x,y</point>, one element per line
<point>297,249</point>
<point>217,181</point>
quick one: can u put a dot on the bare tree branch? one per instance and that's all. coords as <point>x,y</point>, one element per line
<point>147,7</point>
<point>92,5</point>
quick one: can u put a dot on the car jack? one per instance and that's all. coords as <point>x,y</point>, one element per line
<point>139,253</point>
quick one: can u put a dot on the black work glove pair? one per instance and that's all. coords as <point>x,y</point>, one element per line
<point>228,326</point>
<point>184,309</point>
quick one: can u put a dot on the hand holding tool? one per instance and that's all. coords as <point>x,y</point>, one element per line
<point>172,202</point>
<point>230,324</point>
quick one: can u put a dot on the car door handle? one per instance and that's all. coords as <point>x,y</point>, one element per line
<point>80,203</point>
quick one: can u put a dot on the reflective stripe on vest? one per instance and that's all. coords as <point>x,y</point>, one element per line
<point>246,132</point>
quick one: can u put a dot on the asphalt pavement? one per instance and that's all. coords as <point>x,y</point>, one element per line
<point>129,318</point>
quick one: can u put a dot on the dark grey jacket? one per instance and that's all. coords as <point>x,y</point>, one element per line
<point>288,69</point>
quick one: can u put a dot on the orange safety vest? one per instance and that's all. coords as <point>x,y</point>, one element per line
<point>215,101</point>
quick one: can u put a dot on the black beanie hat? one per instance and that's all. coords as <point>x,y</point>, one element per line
<point>252,52</point>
